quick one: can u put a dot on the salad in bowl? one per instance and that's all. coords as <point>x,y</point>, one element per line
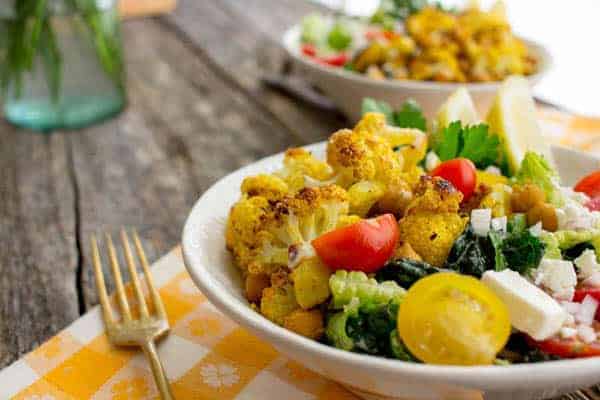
<point>443,242</point>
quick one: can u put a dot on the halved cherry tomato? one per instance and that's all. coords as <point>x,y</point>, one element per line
<point>363,246</point>
<point>584,291</point>
<point>309,49</point>
<point>448,318</point>
<point>593,204</point>
<point>461,173</point>
<point>336,60</point>
<point>567,348</point>
<point>589,185</point>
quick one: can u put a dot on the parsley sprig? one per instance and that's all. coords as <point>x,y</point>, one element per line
<point>474,142</point>
<point>408,116</point>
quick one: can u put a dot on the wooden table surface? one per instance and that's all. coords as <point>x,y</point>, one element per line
<point>197,111</point>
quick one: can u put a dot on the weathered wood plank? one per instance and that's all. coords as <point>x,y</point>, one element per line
<point>38,256</point>
<point>242,39</point>
<point>185,128</point>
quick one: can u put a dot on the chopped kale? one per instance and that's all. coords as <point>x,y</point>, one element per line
<point>405,272</point>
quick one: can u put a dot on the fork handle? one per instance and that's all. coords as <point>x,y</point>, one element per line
<point>157,370</point>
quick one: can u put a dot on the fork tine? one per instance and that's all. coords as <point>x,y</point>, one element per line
<point>101,286</point>
<point>158,304</point>
<point>118,279</point>
<point>134,275</point>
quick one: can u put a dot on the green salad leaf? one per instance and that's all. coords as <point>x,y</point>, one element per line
<point>314,29</point>
<point>536,169</point>
<point>339,37</point>
<point>517,249</point>
<point>474,142</point>
<point>409,115</point>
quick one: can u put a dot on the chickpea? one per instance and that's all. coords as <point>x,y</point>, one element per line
<point>305,323</point>
<point>526,197</point>
<point>255,283</point>
<point>543,212</point>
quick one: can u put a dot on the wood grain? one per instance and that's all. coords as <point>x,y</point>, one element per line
<point>38,257</point>
<point>183,130</point>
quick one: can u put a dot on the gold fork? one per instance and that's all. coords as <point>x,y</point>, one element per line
<point>129,331</point>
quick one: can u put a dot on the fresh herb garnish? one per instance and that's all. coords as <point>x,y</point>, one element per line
<point>474,142</point>
<point>409,115</point>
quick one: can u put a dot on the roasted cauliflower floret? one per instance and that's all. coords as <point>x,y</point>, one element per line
<point>432,223</point>
<point>264,235</point>
<point>270,187</point>
<point>435,194</point>
<point>278,302</point>
<point>301,169</point>
<point>365,163</point>
<point>244,224</point>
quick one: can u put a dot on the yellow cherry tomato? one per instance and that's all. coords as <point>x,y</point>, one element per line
<point>447,318</point>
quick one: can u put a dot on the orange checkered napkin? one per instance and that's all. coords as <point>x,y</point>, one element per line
<point>205,356</point>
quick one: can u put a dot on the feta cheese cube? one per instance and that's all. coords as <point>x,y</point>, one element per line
<point>586,264</point>
<point>480,221</point>
<point>531,310</point>
<point>587,310</point>
<point>593,280</point>
<point>431,161</point>
<point>499,224</point>
<point>558,276</point>
<point>586,333</point>
<point>568,333</point>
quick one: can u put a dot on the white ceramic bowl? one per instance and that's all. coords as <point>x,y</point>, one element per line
<point>372,377</point>
<point>347,89</point>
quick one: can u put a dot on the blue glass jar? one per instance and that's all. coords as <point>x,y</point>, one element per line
<point>61,63</point>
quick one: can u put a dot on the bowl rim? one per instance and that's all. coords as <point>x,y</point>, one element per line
<point>488,376</point>
<point>290,41</point>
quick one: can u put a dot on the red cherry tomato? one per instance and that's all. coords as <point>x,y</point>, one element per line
<point>363,246</point>
<point>377,34</point>
<point>309,49</point>
<point>593,204</point>
<point>336,60</point>
<point>590,185</point>
<point>461,173</point>
<point>584,291</point>
<point>567,348</point>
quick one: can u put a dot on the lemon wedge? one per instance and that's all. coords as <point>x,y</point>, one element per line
<point>458,107</point>
<point>513,118</point>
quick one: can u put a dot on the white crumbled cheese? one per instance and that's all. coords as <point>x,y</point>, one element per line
<point>499,224</point>
<point>531,310</point>
<point>570,320</point>
<point>586,333</point>
<point>570,307</point>
<point>559,277</point>
<point>587,310</point>
<point>480,221</point>
<point>567,332</point>
<point>573,216</point>
<point>586,264</point>
<point>569,193</point>
<point>431,161</point>
<point>564,294</point>
<point>492,169</point>
<point>536,230</point>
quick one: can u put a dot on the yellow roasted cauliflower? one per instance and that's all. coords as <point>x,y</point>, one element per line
<point>267,233</point>
<point>364,161</point>
<point>270,187</point>
<point>432,222</point>
<point>301,169</point>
